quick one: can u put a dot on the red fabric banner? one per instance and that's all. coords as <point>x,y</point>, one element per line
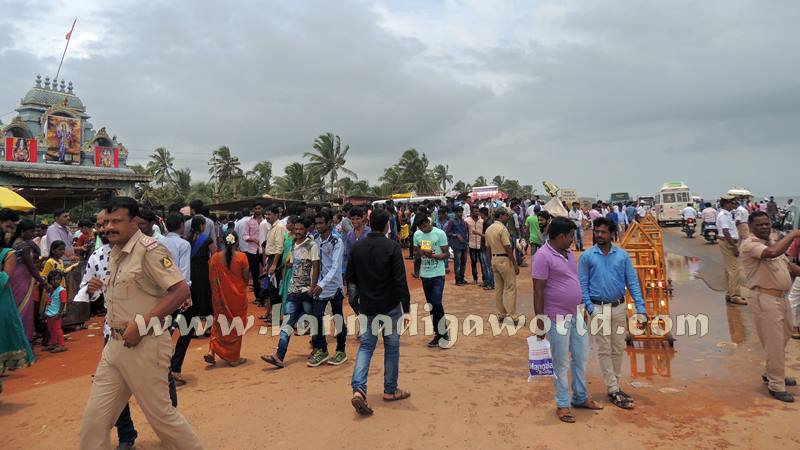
<point>21,149</point>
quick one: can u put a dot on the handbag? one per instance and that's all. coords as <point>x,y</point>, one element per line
<point>540,360</point>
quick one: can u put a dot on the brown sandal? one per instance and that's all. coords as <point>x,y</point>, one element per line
<point>589,404</point>
<point>398,394</point>
<point>565,415</point>
<point>359,402</point>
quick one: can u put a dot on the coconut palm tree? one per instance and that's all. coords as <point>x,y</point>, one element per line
<point>392,179</point>
<point>329,158</point>
<point>160,166</point>
<point>143,192</point>
<point>480,181</point>
<point>460,186</point>
<point>225,169</point>
<point>261,175</point>
<point>440,173</point>
<point>498,180</point>
<point>298,182</point>
<point>182,182</point>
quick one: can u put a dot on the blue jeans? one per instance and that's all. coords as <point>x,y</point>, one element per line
<point>534,248</point>
<point>579,237</point>
<point>296,306</point>
<point>434,288</point>
<point>488,276</point>
<point>460,264</point>
<point>319,340</point>
<point>391,352</point>
<point>570,352</point>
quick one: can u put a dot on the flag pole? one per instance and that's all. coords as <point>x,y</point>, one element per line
<point>69,36</point>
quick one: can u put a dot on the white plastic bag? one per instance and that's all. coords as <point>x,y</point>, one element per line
<point>540,360</point>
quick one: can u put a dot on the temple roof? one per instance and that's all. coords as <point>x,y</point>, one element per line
<point>47,95</point>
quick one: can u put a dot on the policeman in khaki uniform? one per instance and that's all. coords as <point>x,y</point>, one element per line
<point>768,275</point>
<point>503,264</point>
<point>144,282</point>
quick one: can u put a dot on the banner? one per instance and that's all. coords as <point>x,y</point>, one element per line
<point>569,195</point>
<point>21,149</point>
<point>106,157</point>
<point>63,139</point>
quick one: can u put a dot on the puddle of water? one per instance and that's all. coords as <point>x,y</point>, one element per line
<point>683,268</point>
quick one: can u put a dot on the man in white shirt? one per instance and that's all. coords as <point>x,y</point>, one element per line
<point>741,215</point>
<point>689,212</point>
<point>709,216</point>
<point>641,211</point>
<point>576,216</point>
<point>729,247</point>
<point>273,254</point>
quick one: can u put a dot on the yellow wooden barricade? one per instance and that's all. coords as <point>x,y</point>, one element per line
<point>647,256</point>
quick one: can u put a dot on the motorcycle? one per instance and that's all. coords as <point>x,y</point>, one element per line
<point>689,227</point>
<point>710,233</point>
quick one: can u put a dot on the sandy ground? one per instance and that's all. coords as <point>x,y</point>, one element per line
<point>704,393</point>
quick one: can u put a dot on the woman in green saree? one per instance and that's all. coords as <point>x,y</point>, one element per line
<point>15,350</point>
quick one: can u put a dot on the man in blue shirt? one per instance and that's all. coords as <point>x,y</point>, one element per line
<point>604,272</point>
<point>630,211</point>
<point>329,289</point>
<point>456,230</point>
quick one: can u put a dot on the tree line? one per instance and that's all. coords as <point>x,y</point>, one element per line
<point>322,175</point>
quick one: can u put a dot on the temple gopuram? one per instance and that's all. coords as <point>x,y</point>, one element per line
<point>51,154</point>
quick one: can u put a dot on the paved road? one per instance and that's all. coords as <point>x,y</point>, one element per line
<point>710,267</point>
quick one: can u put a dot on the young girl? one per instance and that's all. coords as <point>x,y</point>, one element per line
<point>55,262</point>
<point>57,301</point>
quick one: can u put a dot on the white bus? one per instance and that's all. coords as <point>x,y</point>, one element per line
<point>670,201</point>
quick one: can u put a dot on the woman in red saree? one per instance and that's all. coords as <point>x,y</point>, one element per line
<point>229,274</point>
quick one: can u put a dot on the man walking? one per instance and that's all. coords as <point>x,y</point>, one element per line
<point>488,276</point>
<point>729,247</point>
<point>457,239</point>
<point>273,249</point>
<point>557,294</point>
<point>305,273</point>
<point>475,231</point>
<point>532,227</point>
<point>329,289</point>
<point>768,275</point>
<point>251,230</point>
<point>503,264</point>
<point>431,244</point>
<point>605,271</point>
<point>376,269</point>
<point>133,363</point>
<point>360,231</point>
<point>576,216</point>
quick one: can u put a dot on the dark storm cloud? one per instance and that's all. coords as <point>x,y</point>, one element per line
<point>646,92</point>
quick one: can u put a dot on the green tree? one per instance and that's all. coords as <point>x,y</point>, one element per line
<point>480,181</point>
<point>299,182</point>
<point>329,158</point>
<point>160,166</point>
<point>143,192</point>
<point>261,175</point>
<point>460,186</point>
<point>498,180</point>
<point>225,170</point>
<point>182,181</point>
<point>440,173</point>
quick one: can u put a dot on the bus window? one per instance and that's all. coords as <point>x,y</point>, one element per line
<point>668,198</point>
<point>683,197</point>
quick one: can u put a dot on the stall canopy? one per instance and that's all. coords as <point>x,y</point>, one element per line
<point>486,192</point>
<point>13,201</point>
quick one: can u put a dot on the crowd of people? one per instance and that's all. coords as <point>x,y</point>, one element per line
<point>301,262</point>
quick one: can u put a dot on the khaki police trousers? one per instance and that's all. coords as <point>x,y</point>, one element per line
<point>505,285</point>
<point>611,348</point>
<point>773,318</point>
<point>732,270</point>
<point>139,371</point>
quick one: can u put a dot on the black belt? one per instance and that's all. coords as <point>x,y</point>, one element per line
<point>611,303</point>
<point>499,254</point>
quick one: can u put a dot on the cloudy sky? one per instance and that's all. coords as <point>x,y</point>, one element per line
<point>602,96</point>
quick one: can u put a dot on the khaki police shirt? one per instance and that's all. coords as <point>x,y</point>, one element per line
<point>772,273</point>
<point>497,238</point>
<point>140,273</point>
